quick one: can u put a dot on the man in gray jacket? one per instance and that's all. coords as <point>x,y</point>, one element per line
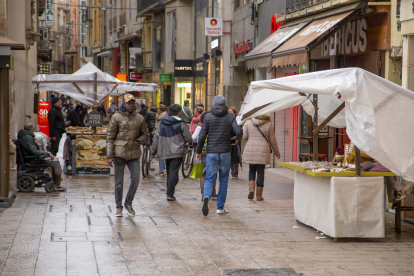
<point>169,143</point>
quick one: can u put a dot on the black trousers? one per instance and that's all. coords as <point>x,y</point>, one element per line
<point>173,167</point>
<point>259,170</point>
<point>54,148</point>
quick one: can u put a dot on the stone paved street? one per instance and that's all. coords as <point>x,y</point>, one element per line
<point>76,233</point>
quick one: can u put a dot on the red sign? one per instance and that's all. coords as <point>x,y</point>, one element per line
<point>42,117</point>
<point>243,47</point>
<point>135,76</point>
<point>274,26</point>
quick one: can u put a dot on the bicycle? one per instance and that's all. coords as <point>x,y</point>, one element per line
<point>188,161</point>
<point>146,157</point>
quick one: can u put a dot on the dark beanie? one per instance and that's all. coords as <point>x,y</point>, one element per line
<point>79,108</point>
<point>55,99</point>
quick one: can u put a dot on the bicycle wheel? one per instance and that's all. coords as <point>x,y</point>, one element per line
<point>145,162</point>
<point>187,165</point>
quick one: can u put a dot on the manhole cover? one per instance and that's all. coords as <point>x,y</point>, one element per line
<point>262,272</point>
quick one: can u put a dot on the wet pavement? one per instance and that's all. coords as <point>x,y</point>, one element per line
<point>76,233</point>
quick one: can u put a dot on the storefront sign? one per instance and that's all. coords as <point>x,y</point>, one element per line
<point>213,26</point>
<point>132,57</point>
<point>91,155</point>
<point>214,43</point>
<point>121,77</point>
<point>165,78</point>
<point>183,68</point>
<point>200,67</point>
<point>50,13</point>
<point>42,117</point>
<point>135,76</point>
<point>94,118</point>
<point>352,38</point>
<point>243,47</point>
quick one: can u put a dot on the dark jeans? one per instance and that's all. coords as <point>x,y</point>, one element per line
<point>133,166</point>
<point>173,167</point>
<point>260,170</point>
<point>55,144</point>
<point>234,169</point>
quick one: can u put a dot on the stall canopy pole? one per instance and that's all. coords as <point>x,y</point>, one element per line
<point>327,120</point>
<point>315,126</point>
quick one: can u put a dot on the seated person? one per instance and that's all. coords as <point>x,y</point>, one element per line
<point>30,148</point>
<point>74,117</point>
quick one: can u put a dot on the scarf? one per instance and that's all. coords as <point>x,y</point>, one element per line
<point>194,121</point>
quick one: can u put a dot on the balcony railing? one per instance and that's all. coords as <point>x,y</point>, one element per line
<point>144,4</point>
<point>296,5</point>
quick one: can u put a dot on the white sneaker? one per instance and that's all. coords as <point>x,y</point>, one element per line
<point>224,211</point>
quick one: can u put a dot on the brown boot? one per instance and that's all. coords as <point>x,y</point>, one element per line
<point>252,185</point>
<point>259,193</point>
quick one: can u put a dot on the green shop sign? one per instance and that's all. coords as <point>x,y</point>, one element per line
<point>165,77</point>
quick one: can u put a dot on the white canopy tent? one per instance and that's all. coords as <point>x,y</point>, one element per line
<point>88,85</point>
<point>379,115</point>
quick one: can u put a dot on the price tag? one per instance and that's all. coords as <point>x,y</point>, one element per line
<point>94,118</point>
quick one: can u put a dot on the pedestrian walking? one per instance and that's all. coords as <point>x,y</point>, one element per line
<point>196,119</point>
<point>127,131</point>
<point>101,109</point>
<point>112,109</point>
<point>196,136</point>
<point>222,130</point>
<point>169,144</point>
<point>144,112</point>
<point>152,115</point>
<point>236,158</point>
<point>186,113</point>
<point>261,142</point>
<point>56,124</point>
<point>161,113</point>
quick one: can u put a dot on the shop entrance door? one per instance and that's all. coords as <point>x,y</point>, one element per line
<point>167,95</point>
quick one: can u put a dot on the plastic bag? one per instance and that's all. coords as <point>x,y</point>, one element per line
<point>197,171</point>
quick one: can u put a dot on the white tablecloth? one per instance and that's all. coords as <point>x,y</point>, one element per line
<point>341,206</point>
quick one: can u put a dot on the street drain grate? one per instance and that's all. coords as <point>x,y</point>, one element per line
<point>262,272</point>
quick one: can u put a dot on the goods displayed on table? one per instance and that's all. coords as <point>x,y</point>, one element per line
<point>344,160</point>
<point>101,130</point>
<point>79,130</point>
<point>91,155</point>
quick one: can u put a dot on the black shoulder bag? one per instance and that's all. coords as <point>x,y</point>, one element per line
<point>270,146</point>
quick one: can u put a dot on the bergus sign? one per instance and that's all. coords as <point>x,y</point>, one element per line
<point>214,26</point>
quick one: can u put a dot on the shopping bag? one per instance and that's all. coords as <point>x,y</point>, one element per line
<point>197,171</point>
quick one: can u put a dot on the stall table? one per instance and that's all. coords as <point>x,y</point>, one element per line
<point>340,204</point>
<point>93,164</point>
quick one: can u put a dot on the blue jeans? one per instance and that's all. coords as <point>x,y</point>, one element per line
<point>217,162</point>
<point>161,162</point>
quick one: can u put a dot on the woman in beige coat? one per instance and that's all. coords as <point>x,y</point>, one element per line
<point>257,151</point>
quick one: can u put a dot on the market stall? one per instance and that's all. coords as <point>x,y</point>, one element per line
<point>86,148</point>
<point>344,203</point>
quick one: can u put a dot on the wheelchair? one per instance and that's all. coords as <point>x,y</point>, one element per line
<point>30,173</point>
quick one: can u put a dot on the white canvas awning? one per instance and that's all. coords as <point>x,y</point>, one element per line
<point>378,113</point>
<point>88,85</point>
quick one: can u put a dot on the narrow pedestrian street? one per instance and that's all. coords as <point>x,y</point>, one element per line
<point>76,233</point>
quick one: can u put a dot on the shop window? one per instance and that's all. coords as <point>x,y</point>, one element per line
<point>217,8</point>
<point>200,91</point>
<point>158,49</point>
<point>240,3</point>
<point>200,37</point>
<point>172,28</point>
<point>217,74</point>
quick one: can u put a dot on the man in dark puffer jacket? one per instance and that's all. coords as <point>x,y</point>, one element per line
<point>222,130</point>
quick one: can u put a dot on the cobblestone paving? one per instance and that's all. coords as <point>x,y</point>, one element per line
<point>76,233</point>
